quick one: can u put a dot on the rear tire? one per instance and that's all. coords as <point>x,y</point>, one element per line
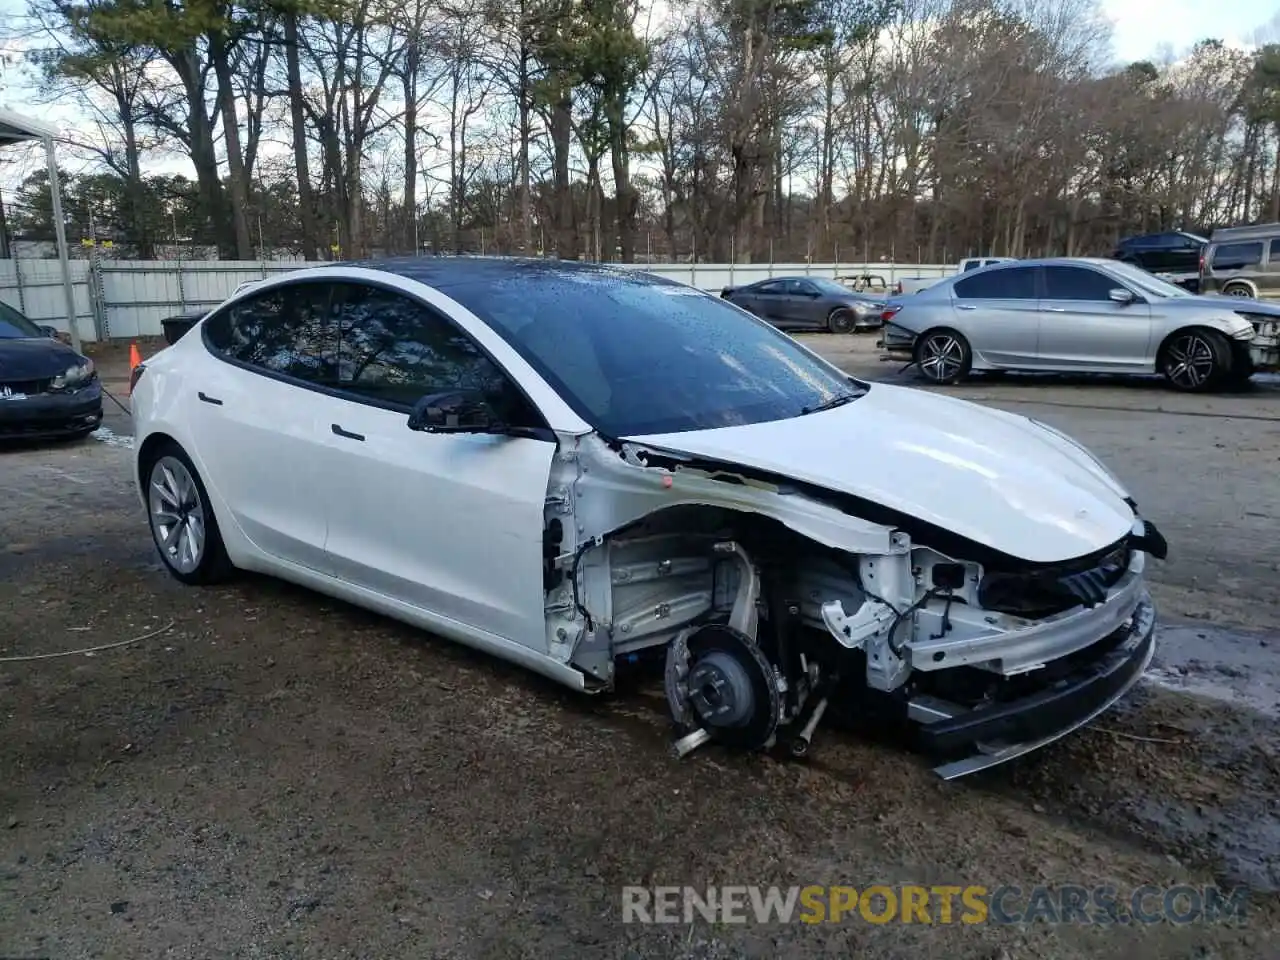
<point>183,526</point>
<point>841,320</point>
<point>1238,290</point>
<point>943,356</point>
<point>1194,361</point>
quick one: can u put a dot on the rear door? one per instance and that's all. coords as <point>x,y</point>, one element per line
<point>770,302</point>
<point>1082,327</point>
<point>997,310</point>
<point>255,417</point>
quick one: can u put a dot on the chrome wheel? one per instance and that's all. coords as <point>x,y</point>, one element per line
<point>942,357</point>
<point>177,514</point>
<point>1190,362</point>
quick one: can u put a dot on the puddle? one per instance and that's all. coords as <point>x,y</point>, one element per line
<point>112,439</point>
<point>1236,667</point>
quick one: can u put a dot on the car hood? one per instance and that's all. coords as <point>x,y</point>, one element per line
<point>992,477</point>
<point>35,359</point>
<point>1248,305</point>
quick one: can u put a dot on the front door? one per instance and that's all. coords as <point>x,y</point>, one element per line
<point>449,523</point>
<point>802,308</point>
<point>250,407</point>
<point>1081,326</point>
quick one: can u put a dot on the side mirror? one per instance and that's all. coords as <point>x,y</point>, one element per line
<point>49,331</point>
<point>1122,295</point>
<point>458,411</point>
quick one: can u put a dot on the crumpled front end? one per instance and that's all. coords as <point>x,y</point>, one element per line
<point>993,664</point>
<point>774,599</point>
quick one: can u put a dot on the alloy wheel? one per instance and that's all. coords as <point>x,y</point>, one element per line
<point>1190,361</point>
<point>942,357</point>
<point>177,514</point>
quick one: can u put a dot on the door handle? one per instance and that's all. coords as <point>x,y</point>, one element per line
<point>338,431</point>
<point>965,306</point>
<point>208,399</point>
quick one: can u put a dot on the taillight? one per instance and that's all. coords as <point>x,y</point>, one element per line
<point>135,375</point>
<point>888,313</point>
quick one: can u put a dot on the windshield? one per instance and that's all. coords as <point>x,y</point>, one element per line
<point>830,286</point>
<point>635,355</point>
<point>1146,282</point>
<point>14,326</point>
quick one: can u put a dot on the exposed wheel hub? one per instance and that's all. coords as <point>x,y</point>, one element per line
<point>720,690</point>
<point>719,680</point>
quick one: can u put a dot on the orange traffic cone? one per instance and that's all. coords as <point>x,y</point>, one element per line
<point>135,361</point>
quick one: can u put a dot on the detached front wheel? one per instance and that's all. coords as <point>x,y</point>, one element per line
<point>1196,360</point>
<point>943,356</point>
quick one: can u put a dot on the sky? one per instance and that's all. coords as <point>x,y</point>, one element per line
<point>1144,27</point>
<point>1158,30</point>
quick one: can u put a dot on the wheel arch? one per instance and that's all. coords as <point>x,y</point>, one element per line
<point>1180,331</point>
<point>1240,282</point>
<point>924,335</point>
<point>148,450</point>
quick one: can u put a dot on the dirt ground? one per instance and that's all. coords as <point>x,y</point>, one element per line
<point>277,775</point>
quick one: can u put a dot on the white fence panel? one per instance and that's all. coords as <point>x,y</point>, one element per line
<point>139,294</point>
<point>34,288</point>
<point>136,295</point>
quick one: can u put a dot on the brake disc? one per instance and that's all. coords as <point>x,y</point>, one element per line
<point>718,679</point>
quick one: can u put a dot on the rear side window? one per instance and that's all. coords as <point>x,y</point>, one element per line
<point>1011,283</point>
<point>1235,256</point>
<point>773,286</point>
<point>285,330</point>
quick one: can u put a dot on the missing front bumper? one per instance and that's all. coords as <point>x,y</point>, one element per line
<point>993,734</point>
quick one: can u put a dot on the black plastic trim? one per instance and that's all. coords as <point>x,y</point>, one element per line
<point>1045,713</point>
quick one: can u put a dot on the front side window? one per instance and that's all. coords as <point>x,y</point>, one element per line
<point>635,355</point>
<point>286,330</point>
<point>396,351</point>
<point>1010,283</point>
<point>1077,283</point>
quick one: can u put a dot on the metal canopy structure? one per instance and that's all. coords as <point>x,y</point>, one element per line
<point>14,129</point>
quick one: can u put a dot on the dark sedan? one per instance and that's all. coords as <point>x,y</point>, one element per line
<point>47,390</point>
<point>808,303</point>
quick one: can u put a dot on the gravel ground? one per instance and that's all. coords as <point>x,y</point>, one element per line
<point>279,775</point>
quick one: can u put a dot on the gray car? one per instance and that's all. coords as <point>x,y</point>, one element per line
<point>808,303</point>
<point>1077,315</point>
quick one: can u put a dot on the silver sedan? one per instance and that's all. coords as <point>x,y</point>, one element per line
<point>1074,315</point>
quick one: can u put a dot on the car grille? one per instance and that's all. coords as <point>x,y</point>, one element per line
<point>24,386</point>
<point>1042,593</point>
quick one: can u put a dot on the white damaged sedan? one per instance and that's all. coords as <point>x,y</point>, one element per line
<point>570,466</point>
